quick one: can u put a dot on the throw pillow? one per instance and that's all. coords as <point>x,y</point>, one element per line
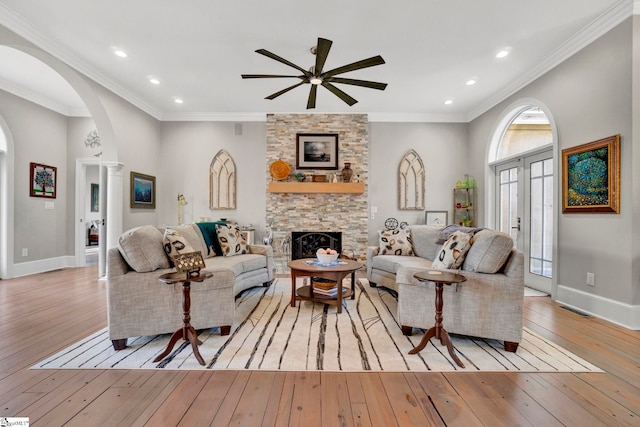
<point>490,251</point>
<point>210,235</point>
<point>396,242</point>
<point>231,240</point>
<point>141,248</point>
<point>175,243</point>
<point>452,253</point>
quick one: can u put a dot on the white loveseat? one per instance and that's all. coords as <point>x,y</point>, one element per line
<point>139,304</point>
<point>489,304</point>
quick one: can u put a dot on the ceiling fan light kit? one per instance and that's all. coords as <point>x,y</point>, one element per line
<point>317,77</point>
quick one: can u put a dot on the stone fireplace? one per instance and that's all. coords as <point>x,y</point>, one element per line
<point>346,213</point>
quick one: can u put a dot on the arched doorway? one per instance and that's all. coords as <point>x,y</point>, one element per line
<point>102,122</point>
<point>523,168</point>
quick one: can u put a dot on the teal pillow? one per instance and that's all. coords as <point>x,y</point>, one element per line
<point>210,235</point>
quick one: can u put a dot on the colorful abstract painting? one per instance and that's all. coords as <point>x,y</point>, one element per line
<point>591,176</point>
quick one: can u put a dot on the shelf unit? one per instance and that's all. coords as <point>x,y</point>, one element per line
<point>315,187</point>
<point>464,206</point>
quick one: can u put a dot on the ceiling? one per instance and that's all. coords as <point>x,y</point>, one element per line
<point>198,49</point>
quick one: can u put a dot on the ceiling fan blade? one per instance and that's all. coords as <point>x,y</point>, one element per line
<point>365,63</point>
<point>311,102</point>
<point>284,61</point>
<point>356,82</point>
<point>340,94</point>
<point>277,94</point>
<point>267,76</point>
<point>322,50</point>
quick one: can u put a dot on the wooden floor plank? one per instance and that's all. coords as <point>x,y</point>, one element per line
<point>306,404</point>
<point>336,406</point>
<point>598,404</point>
<point>231,400</point>
<point>446,401</point>
<point>378,403</point>
<point>254,398</point>
<point>180,400</point>
<point>74,404</point>
<point>206,405</point>
<point>406,405</point>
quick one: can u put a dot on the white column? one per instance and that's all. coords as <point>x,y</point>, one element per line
<point>114,215</point>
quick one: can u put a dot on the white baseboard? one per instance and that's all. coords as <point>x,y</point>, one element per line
<point>42,266</point>
<point>622,314</point>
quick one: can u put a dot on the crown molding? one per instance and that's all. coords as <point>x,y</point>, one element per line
<point>262,117</point>
<point>604,23</point>
<point>47,43</point>
<point>41,100</point>
<point>607,21</point>
<point>214,117</point>
<point>416,118</point>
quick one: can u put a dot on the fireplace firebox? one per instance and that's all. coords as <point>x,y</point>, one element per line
<point>304,244</point>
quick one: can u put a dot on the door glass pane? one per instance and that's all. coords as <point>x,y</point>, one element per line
<point>541,218</point>
<point>508,209</point>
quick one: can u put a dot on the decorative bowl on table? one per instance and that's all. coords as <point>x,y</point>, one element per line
<point>326,256</point>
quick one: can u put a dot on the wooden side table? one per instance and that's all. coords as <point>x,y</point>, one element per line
<point>440,278</point>
<point>187,332</point>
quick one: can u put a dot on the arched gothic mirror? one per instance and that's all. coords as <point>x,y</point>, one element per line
<point>222,182</point>
<point>411,182</point>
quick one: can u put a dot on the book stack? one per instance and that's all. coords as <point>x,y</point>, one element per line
<point>325,288</point>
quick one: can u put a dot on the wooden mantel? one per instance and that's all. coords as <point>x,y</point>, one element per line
<point>315,187</point>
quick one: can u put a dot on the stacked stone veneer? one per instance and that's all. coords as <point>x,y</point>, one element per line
<point>347,213</point>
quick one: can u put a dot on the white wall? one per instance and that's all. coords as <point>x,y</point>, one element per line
<point>41,231</point>
<point>589,96</point>
<point>444,150</point>
<point>186,152</point>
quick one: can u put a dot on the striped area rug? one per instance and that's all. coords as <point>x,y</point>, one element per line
<point>269,334</point>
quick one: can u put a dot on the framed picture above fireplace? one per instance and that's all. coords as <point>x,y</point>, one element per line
<point>317,151</point>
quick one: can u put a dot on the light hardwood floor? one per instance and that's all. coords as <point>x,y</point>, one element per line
<point>43,313</point>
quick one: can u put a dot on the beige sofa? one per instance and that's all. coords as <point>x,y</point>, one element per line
<point>139,304</point>
<point>489,304</point>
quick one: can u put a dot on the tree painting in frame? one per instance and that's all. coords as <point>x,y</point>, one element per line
<point>591,177</point>
<point>143,191</point>
<point>42,182</point>
<point>317,151</point>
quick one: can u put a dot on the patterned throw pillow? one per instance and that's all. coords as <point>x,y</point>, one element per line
<point>396,242</point>
<point>231,240</point>
<point>452,253</point>
<point>175,243</point>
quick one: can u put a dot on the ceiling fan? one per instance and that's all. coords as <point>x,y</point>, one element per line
<point>317,77</point>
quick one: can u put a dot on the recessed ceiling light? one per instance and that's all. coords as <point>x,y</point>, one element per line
<point>178,100</point>
<point>154,81</point>
<point>448,102</point>
<point>502,54</point>
<point>120,53</point>
<point>471,82</point>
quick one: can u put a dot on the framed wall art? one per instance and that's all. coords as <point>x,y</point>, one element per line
<point>591,177</point>
<point>437,218</point>
<point>143,191</point>
<point>317,151</point>
<point>42,181</point>
<point>95,192</point>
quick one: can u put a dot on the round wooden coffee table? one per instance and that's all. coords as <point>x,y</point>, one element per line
<point>308,268</point>
<point>440,278</point>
